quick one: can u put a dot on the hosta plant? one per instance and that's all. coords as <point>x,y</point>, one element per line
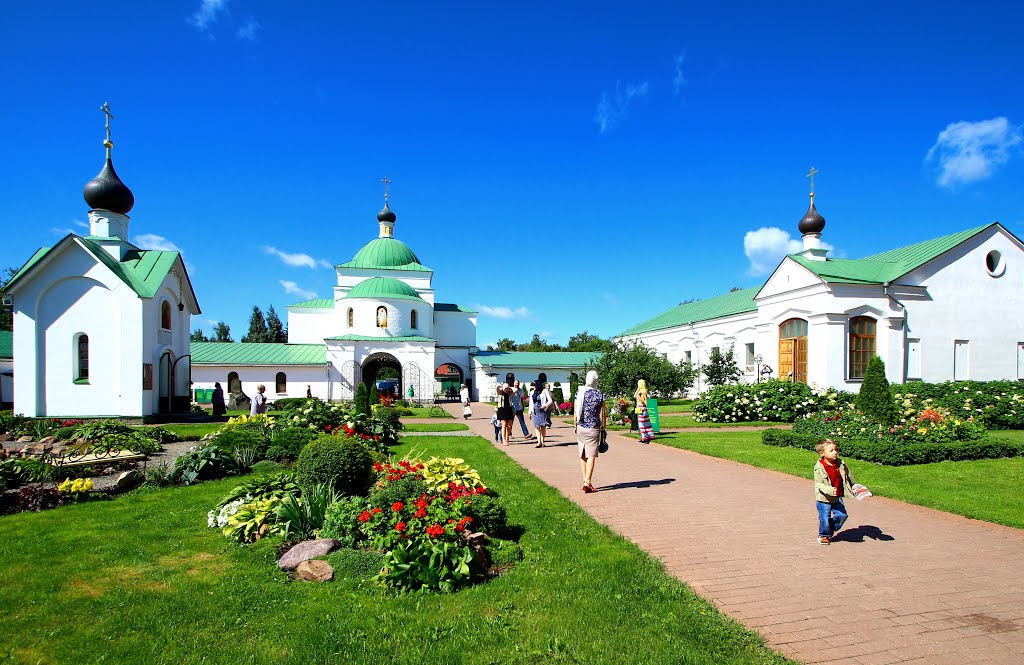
<point>421,565</point>
<point>440,472</point>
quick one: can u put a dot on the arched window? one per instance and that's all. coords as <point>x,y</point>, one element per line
<point>234,385</point>
<point>382,317</point>
<point>793,350</point>
<point>83,358</point>
<point>281,382</point>
<point>413,319</point>
<point>862,345</point>
<point>350,317</point>
<point>165,315</point>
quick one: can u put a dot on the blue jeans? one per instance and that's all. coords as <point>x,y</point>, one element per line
<point>497,433</point>
<point>519,414</point>
<point>831,517</point>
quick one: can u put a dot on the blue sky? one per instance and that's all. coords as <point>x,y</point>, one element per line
<point>579,166</point>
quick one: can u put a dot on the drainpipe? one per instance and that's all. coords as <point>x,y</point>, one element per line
<point>885,290</point>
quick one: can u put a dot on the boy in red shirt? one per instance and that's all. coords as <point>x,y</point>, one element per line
<point>832,479</point>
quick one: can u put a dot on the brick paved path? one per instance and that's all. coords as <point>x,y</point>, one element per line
<point>902,584</point>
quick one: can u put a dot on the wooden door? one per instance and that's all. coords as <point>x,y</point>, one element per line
<point>800,362</point>
<point>786,358</point>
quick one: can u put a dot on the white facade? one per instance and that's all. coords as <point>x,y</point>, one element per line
<point>958,315</point>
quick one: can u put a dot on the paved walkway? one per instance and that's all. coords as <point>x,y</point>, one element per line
<point>902,584</point>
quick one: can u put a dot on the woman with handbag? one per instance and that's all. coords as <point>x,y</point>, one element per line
<point>643,419</point>
<point>591,419</point>
<point>506,414</point>
<point>464,398</point>
<point>541,401</point>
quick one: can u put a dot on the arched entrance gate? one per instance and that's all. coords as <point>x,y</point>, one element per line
<point>447,379</point>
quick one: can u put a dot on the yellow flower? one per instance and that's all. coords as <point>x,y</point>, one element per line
<point>87,485</point>
<point>64,486</point>
<point>923,430</point>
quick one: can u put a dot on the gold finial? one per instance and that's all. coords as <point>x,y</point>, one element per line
<point>810,174</point>
<point>106,111</point>
<point>386,182</point>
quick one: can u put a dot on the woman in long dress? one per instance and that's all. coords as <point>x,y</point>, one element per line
<point>541,407</point>
<point>643,419</point>
<point>464,398</point>
<point>218,400</point>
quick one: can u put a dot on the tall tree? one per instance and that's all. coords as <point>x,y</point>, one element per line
<point>222,332</point>
<point>275,329</point>
<point>584,341</point>
<point>258,333</point>
<point>721,368</point>
<point>619,369</point>
<point>199,336</point>
<point>506,344</point>
<point>6,315</point>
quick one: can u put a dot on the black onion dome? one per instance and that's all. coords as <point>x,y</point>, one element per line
<point>385,215</point>
<point>812,222</point>
<point>107,192</point>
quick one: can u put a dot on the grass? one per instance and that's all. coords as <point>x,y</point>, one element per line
<point>435,427</point>
<point>141,579</point>
<point>986,490</point>
<point>192,431</point>
<point>435,412</point>
<point>684,422</point>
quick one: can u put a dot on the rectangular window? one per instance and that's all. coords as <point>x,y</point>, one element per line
<point>713,350</point>
<point>689,358</point>
<point>913,359</point>
<point>961,360</point>
<point>750,357</point>
<point>1020,361</point>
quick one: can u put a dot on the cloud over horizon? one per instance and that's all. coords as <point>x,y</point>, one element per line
<point>207,13</point>
<point>298,260</point>
<point>293,289</point>
<point>967,152</point>
<point>613,108</point>
<point>767,246</point>
<point>159,243</point>
<point>506,313</point>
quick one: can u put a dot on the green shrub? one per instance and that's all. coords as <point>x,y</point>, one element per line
<point>341,521</point>
<point>430,565</point>
<point>772,401</point>
<point>290,441</point>
<point>340,462</point>
<point>996,404</point>
<point>244,439</point>
<point>405,489</point>
<point>488,515</point>
<point>267,467</point>
<point>362,403</point>
<point>875,398</point>
<point>892,453</point>
<point>302,517</point>
<point>503,553</point>
<point>355,564</point>
<point>203,463</point>
<point>159,434</point>
<point>286,403</point>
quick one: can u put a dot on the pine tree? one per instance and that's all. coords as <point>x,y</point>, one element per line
<point>222,332</point>
<point>275,329</point>
<point>875,398</point>
<point>258,333</point>
<point>362,405</point>
<point>199,336</point>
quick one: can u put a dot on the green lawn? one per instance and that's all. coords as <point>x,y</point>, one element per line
<point>192,431</point>
<point>141,579</point>
<point>427,412</point>
<point>987,490</point>
<point>435,427</point>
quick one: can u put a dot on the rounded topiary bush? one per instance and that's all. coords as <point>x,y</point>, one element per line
<point>343,463</point>
<point>875,398</point>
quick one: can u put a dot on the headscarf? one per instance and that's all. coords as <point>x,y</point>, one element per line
<point>641,384</point>
<point>590,383</point>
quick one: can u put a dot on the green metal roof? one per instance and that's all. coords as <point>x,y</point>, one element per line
<point>318,303</point>
<point>237,353</point>
<point>451,307</point>
<point>6,345</point>
<point>382,288</point>
<point>727,304</point>
<point>365,338</point>
<point>144,270</point>
<point>387,254</point>
<point>541,359</point>
<point>886,266</point>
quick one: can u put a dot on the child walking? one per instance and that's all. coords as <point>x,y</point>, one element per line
<point>497,425</point>
<point>831,480</point>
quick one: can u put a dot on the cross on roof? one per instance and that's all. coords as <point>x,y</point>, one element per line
<point>810,174</point>
<point>106,111</point>
<point>386,182</point>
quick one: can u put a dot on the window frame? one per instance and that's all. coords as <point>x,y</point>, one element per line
<point>281,383</point>
<point>165,315</point>
<point>351,317</point>
<point>81,359</point>
<point>856,343</point>
<point>413,320</point>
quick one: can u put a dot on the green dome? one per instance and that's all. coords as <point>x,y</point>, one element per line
<point>385,253</point>
<point>383,288</point>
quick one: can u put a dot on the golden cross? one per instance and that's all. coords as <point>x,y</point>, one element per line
<point>386,182</point>
<point>810,174</point>
<point>106,111</point>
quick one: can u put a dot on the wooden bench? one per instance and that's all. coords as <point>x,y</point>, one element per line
<point>78,457</point>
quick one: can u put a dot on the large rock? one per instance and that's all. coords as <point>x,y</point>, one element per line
<point>238,401</point>
<point>5,437</point>
<point>306,550</point>
<point>129,479</point>
<point>315,571</point>
<point>24,439</point>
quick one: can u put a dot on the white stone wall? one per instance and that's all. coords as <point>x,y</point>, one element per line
<point>297,378</point>
<point>486,379</point>
<point>313,325</point>
<point>6,382</point>
<point>455,329</point>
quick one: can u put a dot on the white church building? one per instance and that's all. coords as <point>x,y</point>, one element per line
<point>949,308</point>
<point>101,327</point>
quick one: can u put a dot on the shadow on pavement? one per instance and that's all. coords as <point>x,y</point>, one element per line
<point>638,484</point>
<point>858,534</point>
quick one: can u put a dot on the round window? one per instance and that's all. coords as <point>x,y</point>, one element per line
<point>994,263</point>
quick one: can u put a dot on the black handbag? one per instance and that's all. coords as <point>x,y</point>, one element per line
<point>603,447</point>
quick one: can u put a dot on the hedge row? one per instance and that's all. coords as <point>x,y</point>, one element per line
<point>901,454</point>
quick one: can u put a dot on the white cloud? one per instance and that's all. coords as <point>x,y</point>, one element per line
<point>293,289</point>
<point>970,151</point>
<point>297,260</point>
<point>249,30</point>
<point>80,224</point>
<point>679,80</point>
<point>610,298</point>
<point>767,246</point>
<point>153,241</point>
<point>207,13</point>
<point>58,231</point>
<point>503,312</point>
<point>613,108</point>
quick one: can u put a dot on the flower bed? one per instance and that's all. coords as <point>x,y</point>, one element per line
<point>770,401</point>
<point>995,404</point>
<point>930,425</point>
<point>891,453</point>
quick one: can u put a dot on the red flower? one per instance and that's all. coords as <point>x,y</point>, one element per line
<point>376,510</point>
<point>397,506</point>
<point>364,516</point>
<point>400,526</point>
<point>421,513</point>
<point>327,428</point>
<point>435,530</point>
<point>378,467</point>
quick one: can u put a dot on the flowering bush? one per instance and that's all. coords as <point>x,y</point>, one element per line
<point>995,404</point>
<point>930,425</point>
<point>619,411</point>
<point>76,490</point>
<point>378,430</point>
<point>773,401</point>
